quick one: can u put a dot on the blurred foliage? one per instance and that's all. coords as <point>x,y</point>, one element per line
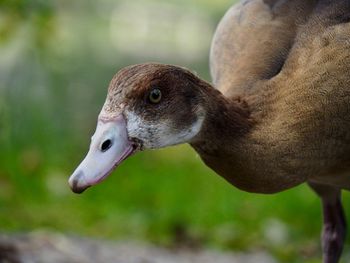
<point>57,58</point>
<point>16,12</point>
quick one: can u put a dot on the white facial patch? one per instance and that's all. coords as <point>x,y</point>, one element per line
<point>158,134</point>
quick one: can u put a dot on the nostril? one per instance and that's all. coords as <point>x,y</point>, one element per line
<point>106,145</point>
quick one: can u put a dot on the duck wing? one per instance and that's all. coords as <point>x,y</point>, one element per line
<point>253,40</point>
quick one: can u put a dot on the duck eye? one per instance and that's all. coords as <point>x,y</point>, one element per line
<point>155,96</point>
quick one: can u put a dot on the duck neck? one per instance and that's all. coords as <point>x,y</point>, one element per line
<point>241,149</point>
<point>221,143</point>
<point>224,142</point>
<point>226,121</point>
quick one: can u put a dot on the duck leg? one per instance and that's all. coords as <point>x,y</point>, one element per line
<point>334,223</point>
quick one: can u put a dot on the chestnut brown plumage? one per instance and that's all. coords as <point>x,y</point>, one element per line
<point>277,114</point>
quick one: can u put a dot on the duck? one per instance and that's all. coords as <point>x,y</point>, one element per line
<point>276,114</point>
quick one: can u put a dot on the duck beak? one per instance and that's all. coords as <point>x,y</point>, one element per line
<point>109,147</point>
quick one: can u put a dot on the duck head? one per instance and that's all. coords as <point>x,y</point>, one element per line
<point>148,106</point>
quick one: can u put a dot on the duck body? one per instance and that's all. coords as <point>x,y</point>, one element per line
<point>299,104</point>
<point>277,114</point>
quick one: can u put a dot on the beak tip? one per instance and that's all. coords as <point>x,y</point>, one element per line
<point>74,183</point>
<point>79,190</point>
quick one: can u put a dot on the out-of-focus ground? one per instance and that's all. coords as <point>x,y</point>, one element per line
<point>44,247</point>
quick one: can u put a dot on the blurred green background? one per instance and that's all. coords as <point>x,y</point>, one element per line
<point>56,60</point>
